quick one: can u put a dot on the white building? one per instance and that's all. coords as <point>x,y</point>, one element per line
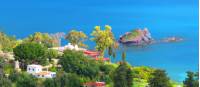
<point>32,69</point>
<point>36,70</point>
<point>45,74</point>
<point>68,46</point>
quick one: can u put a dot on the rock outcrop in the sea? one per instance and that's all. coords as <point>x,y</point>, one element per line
<point>136,37</point>
<point>172,39</point>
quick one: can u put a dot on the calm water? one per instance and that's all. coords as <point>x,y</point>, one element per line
<point>163,18</point>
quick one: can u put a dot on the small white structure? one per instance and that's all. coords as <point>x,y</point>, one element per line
<point>17,68</point>
<point>32,69</point>
<point>68,46</point>
<point>36,70</point>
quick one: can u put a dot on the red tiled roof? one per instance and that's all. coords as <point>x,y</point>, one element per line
<point>90,52</point>
<point>95,55</point>
<point>43,73</point>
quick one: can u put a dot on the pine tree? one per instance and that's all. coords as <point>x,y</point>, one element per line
<point>159,79</point>
<point>129,77</point>
<point>191,80</point>
<point>123,56</point>
<point>123,76</point>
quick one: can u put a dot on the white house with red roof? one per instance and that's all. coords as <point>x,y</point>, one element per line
<point>94,55</point>
<point>36,70</point>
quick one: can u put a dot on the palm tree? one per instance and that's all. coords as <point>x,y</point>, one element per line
<point>123,56</point>
<point>110,52</point>
<point>37,37</point>
<point>114,56</point>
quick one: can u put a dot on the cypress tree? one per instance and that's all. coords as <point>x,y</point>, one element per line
<point>159,79</point>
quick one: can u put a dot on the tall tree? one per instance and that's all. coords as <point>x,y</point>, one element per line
<point>76,38</point>
<point>51,53</point>
<point>129,77</point>
<point>38,37</point>
<point>31,52</point>
<point>110,52</point>
<point>124,56</point>
<point>57,38</point>
<point>114,56</point>
<point>159,79</point>
<point>122,76</point>
<point>75,62</point>
<point>49,83</point>
<point>114,50</point>
<point>103,38</point>
<point>191,80</point>
<point>42,38</point>
<point>7,43</point>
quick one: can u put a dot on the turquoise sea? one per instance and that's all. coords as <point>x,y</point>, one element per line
<point>163,18</point>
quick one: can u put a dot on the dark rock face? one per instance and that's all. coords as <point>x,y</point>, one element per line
<point>136,37</point>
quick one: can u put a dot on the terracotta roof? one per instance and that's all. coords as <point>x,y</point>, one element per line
<point>90,52</point>
<point>43,73</point>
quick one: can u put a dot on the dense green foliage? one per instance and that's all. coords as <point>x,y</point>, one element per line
<point>49,83</point>
<point>123,76</point>
<point>31,52</point>
<point>129,77</point>
<point>52,54</point>
<point>63,80</point>
<point>25,80</point>
<point>143,72</point>
<point>76,38</point>
<point>159,79</point>
<point>45,38</point>
<point>192,79</point>
<point>6,67</point>
<point>106,71</point>
<point>75,62</point>
<point>5,82</point>
<point>77,68</point>
<point>67,80</point>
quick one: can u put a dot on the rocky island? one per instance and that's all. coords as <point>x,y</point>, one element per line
<point>136,37</point>
<point>172,39</point>
<point>143,37</point>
